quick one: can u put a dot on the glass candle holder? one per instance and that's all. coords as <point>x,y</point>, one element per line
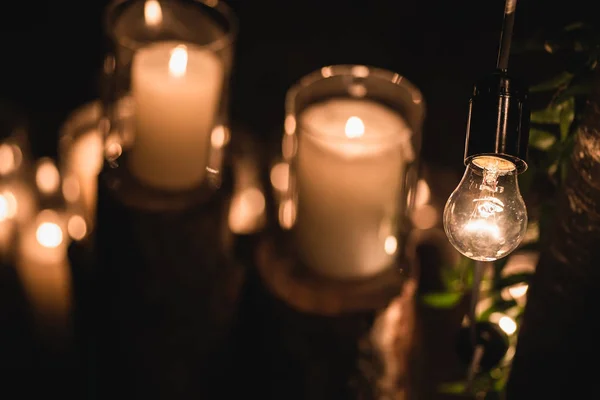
<point>166,95</point>
<point>352,139</point>
<point>81,152</point>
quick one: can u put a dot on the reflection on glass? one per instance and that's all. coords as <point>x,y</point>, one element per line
<point>351,136</point>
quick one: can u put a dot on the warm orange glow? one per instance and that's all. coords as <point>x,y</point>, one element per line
<point>360,71</point>
<point>219,137</point>
<point>247,209</point>
<point>8,205</point>
<point>178,61</point>
<point>391,245</point>
<point>287,214</point>
<point>49,235</point>
<point>425,217</point>
<point>280,176</point>
<point>3,208</point>
<point>47,176</point>
<point>113,148</point>
<point>507,324</point>
<point>152,13</point>
<point>423,193</point>
<point>71,189</point>
<point>7,159</point>
<point>518,291</point>
<point>290,124</point>
<point>355,128</point>
<point>76,227</point>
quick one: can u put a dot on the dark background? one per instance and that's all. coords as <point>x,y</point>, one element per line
<point>52,52</point>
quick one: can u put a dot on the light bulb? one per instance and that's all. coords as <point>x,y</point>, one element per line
<point>485,218</point>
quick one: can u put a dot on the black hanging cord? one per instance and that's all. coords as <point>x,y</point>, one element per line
<point>506,35</point>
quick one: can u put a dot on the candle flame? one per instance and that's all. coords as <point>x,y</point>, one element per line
<point>178,61</point>
<point>355,128</point>
<point>49,235</point>
<point>152,13</point>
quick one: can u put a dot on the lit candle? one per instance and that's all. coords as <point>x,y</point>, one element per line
<point>42,264</point>
<point>83,164</point>
<point>176,89</point>
<point>349,171</point>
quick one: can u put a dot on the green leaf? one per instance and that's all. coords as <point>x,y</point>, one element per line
<point>527,179</point>
<point>541,139</point>
<point>577,26</point>
<point>453,387</point>
<point>547,116</point>
<point>559,80</point>
<point>579,89</point>
<point>441,299</point>
<point>498,305</point>
<point>512,280</point>
<point>567,114</point>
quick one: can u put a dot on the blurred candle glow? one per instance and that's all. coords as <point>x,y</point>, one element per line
<point>280,176</point>
<point>507,324</point>
<point>77,227</point>
<point>47,177</point>
<point>82,165</point>
<point>152,13</point>
<point>10,158</point>
<point>42,264</point>
<point>350,163</point>
<point>247,211</point>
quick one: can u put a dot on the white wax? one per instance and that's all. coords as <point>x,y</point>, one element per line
<point>43,269</point>
<point>176,103</point>
<point>84,162</point>
<point>349,187</point>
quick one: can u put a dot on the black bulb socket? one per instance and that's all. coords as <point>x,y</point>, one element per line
<point>498,122</point>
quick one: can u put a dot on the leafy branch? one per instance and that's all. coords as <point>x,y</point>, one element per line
<point>551,141</point>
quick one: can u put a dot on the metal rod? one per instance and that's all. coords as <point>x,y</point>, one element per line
<point>506,34</point>
<point>475,290</point>
<point>474,366</point>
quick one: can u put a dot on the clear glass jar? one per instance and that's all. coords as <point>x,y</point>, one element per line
<point>352,139</point>
<point>165,102</point>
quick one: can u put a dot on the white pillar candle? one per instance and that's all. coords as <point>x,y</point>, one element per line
<point>43,266</point>
<point>350,164</point>
<point>176,89</point>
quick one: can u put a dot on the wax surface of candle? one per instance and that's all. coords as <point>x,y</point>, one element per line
<point>349,179</point>
<point>42,265</point>
<point>176,89</point>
